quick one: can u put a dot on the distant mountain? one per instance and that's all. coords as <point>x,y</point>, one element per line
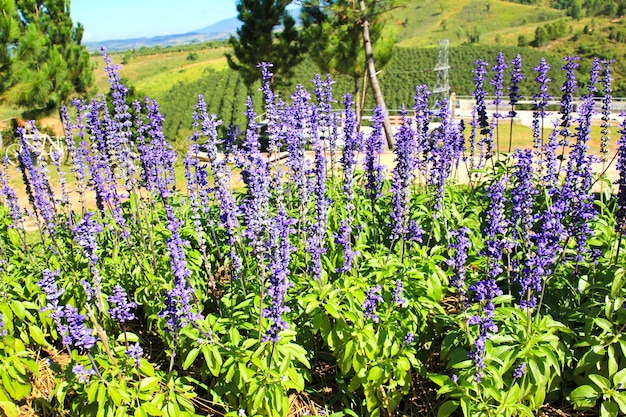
<point>226,27</point>
<point>217,31</point>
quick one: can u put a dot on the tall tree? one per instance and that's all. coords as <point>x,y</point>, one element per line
<point>50,64</point>
<point>9,32</point>
<point>346,37</point>
<point>268,34</point>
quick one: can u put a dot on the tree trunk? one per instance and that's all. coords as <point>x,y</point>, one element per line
<point>371,70</point>
<point>357,102</point>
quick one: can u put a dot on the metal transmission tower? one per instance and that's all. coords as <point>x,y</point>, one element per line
<point>442,85</point>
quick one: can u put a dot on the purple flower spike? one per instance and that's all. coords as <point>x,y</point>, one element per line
<point>372,299</point>
<point>516,78</point>
<point>3,330</point>
<point>75,332</point>
<point>121,307</point>
<point>135,352</point>
<point>519,371</point>
<point>397,293</point>
<point>498,79</point>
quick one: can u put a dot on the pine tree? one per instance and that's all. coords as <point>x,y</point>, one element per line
<point>261,39</point>
<point>9,32</point>
<point>50,64</point>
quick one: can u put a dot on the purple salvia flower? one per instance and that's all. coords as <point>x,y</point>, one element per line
<point>480,72</point>
<point>497,80</point>
<point>443,154</point>
<point>271,110</point>
<point>317,230</point>
<point>460,246</point>
<point>255,174</point>
<point>484,291</point>
<point>423,141</point>
<point>134,352</point>
<point>121,308</point>
<point>100,163</point>
<point>569,88</point>
<point>55,156</point>
<point>620,215</point>
<point>397,293</point>
<point>352,145</point>
<point>9,196</point>
<point>296,135</point>
<point>41,199</point>
<point>522,194</point>
<point>229,214</point>
<point>77,155</point>
<point>594,74</point>
<point>160,157</point>
<point>516,77</point>
<point>409,338</point>
<point>279,250</point>
<point>472,141</point>
<point>327,120</point>
<point>50,287</point>
<point>607,99</point>
<point>372,299</point>
<point>576,190</point>
<point>495,229</point>
<point>373,148</point>
<point>519,371</point>
<point>547,242</point>
<point>402,177</point>
<point>83,374</point>
<point>3,330</point>
<point>85,234</point>
<point>118,143</point>
<point>75,332</point>
<point>540,101</point>
<point>178,309</point>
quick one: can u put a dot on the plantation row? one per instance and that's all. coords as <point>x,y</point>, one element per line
<point>328,283</point>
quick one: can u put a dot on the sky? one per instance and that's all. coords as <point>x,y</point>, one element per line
<point>123,19</point>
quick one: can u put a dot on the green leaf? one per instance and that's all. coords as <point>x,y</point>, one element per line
<point>9,409</point>
<point>375,374</point>
<point>191,357</point>
<point>447,408</point>
<point>620,399</point>
<point>584,396</point>
<point>185,403</point>
<point>604,324</point>
<point>37,335</point>
<point>600,381</point>
<point>259,398</point>
<point>115,394</point>
<point>331,309</point>
<point>151,409</point>
<point>609,409</point>
<point>171,409</point>
<point>149,384</point>
<point>620,378</point>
